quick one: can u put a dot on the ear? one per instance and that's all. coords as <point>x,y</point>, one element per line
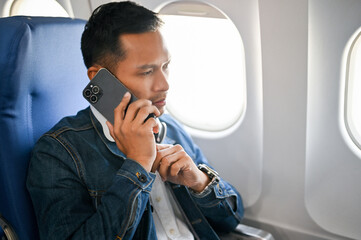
<point>92,71</point>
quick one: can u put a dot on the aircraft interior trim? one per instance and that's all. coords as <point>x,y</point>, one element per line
<point>290,137</point>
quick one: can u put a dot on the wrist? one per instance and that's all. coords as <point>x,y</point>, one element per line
<point>146,163</point>
<point>212,176</point>
<point>202,183</point>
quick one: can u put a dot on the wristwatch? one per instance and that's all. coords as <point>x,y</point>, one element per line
<point>211,173</point>
<point>213,176</point>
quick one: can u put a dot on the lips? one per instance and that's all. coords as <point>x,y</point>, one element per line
<point>160,103</point>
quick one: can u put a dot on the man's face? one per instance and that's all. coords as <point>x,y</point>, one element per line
<point>144,71</point>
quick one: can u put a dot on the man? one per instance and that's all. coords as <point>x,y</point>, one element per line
<point>89,179</point>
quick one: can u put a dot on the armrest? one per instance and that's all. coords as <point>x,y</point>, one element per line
<point>253,232</point>
<point>243,232</point>
<point>8,230</point>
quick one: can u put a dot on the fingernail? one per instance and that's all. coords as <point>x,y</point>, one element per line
<point>127,94</point>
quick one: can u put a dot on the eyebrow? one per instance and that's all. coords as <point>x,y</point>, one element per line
<point>147,66</point>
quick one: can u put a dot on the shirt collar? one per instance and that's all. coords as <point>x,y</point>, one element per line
<point>102,120</point>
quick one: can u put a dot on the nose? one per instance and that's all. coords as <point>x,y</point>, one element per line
<point>161,82</point>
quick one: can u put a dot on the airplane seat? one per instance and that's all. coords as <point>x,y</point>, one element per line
<point>42,75</point>
<point>41,80</point>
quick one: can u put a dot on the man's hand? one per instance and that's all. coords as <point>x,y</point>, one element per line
<point>132,134</point>
<point>174,165</point>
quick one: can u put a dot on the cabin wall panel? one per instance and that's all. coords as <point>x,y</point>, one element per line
<point>333,160</point>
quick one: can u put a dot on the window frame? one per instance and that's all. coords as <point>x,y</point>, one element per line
<point>348,119</point>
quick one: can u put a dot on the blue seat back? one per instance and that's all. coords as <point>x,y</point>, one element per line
<point>41,80</point>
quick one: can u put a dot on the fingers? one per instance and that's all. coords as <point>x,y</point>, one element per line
<point>163,146</point>
<point>143,113</point>
<point>171,161</point>
<point>179,166</point>
<point>130,111</point>
<point>120,110</point>
<point>159,156</point>
<point>131,117</point>
<point>140,110</point>
<point>132,134</point>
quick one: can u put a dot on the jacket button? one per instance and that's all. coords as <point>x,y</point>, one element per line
<point>142,178</point>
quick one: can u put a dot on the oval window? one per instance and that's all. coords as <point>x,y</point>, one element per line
<point>353,89</point>
<point>36,8</point>
<point>207,74</point>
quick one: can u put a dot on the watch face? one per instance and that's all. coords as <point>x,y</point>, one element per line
<point>209,171</point>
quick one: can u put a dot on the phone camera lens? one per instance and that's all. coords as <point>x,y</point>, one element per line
<point>93,99</point>
<point>95,89</point>
<point>87,93</point>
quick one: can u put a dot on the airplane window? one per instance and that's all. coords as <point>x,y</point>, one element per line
<point>353,89</point>
<point>6,8</point>
<point>35,8</point>
<point>207,70</point>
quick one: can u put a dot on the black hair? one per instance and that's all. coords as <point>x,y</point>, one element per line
<point>100,42</point>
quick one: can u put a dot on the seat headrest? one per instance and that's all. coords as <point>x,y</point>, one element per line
<point>41,69</point>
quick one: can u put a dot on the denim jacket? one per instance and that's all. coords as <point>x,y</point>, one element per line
<point>83,187</point>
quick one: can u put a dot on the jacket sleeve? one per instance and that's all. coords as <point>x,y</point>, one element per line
<point>220,202</point>
<point>64,207</point>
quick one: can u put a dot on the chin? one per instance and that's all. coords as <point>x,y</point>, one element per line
<point>161,110</point>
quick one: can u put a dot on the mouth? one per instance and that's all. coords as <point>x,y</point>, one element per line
<point>160,103</point>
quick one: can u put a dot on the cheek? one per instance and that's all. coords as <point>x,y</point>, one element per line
<point>142,91</point>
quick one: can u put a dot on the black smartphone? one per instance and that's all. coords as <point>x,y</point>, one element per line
<point>104,92</point>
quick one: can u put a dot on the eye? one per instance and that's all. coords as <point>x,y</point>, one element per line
<point>146,73</point>
<point>166,65</point>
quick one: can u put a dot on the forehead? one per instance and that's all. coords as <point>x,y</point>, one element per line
<point>144,47</point>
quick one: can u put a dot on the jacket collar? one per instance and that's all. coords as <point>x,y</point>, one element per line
<point>98,121</point>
